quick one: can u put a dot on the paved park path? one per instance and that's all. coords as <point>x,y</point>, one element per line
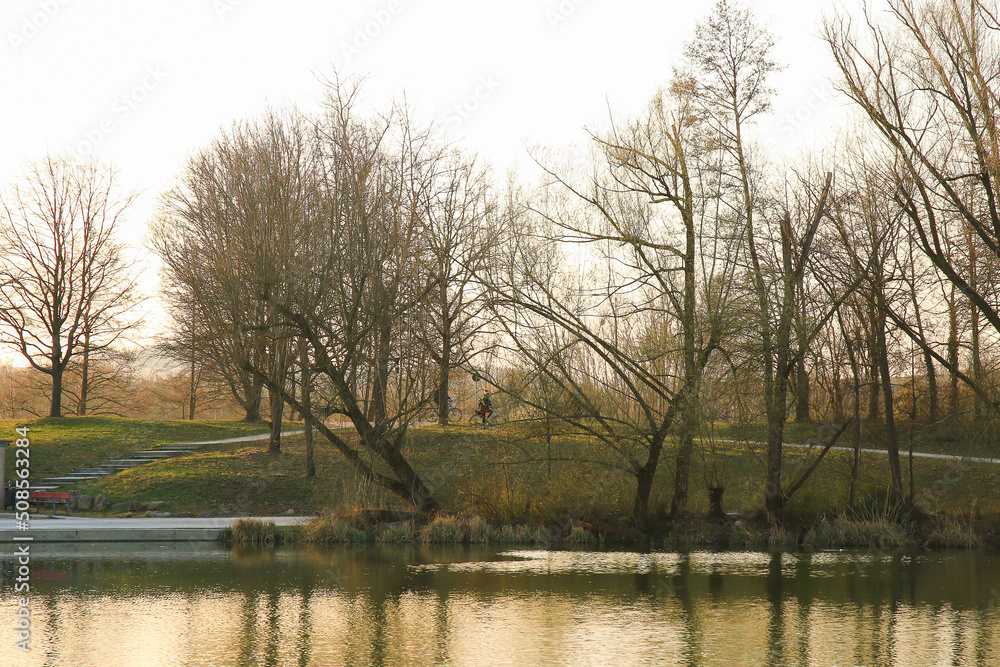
<point>864,450</point>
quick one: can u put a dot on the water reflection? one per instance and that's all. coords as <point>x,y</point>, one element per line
<point>196,604</point>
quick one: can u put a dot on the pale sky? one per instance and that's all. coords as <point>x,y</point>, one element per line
<point>143,84</point>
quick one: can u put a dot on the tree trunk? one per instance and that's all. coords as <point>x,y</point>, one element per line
<point>856,459</point>
<point>802,393</point>
<point>277,408</point>
<point>774,494</point>
<point>690,408</point>
<point>381,389</point>
<point>253,392</point>
<point>306,376</point>
<point>55,405</point>
<point>977,359</point>
<point>444,378</point>
<point>644,483</point>
<point>932,390</point>
<point>953,402</point>
<point>891,438</point>
<point>81,408</point>
<point>193,388</point>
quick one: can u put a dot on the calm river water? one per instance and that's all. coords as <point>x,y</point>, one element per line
<point>154,605</point>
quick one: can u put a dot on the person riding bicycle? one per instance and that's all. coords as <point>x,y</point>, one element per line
<point>437,398</point>
<point>485,406</point>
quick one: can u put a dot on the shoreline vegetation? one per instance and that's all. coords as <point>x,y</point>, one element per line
<point>529,484</point>
<point>837,533</point>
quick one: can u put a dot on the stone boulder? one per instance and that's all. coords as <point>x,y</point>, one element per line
<point>100,502</point>
<point>129,506</point>
<point>85,503</point>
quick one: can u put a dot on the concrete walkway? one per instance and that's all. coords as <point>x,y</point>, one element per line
<point>94,529</point>
<point>902,453</point>
<point>243,438</point>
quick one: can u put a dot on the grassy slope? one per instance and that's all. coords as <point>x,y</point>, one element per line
<point>59,445</point>
<point>505,476</point>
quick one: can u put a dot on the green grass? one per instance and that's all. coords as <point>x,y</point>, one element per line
<point>59,445</point>
<point>506,476</point>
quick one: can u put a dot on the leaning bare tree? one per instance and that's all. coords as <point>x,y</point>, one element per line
<point>66,284</point>
<point>352,293</point>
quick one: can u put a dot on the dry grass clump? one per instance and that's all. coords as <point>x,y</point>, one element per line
<point>442,529</point>
<point>873,533</point>
<point>251,532</point>
<point>953,532</point>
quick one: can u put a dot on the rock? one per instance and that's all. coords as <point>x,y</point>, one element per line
<point>158,515</point>
<point>206,514</point>
<point>288,513</point>
<point>85,503</point>
<point>155,505</point>
<point>100,502</point>
<point>226,513</point>
<point>129,506</point>
<point>74,499</point>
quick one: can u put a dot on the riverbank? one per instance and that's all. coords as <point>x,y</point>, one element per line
<point>105,529</point>
<point>526,485</point>
<point>735,532</point>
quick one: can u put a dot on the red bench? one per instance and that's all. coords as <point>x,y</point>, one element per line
<point>50,498</point>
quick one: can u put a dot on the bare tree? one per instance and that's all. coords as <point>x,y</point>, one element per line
<point>353,290</point>
<point>66,286</point>
<point>929,90</point>
<point>464,227</point>
<point>625,343</point>
<point>228,233</point>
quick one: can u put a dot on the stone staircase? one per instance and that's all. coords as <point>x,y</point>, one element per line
<point>110,467</point>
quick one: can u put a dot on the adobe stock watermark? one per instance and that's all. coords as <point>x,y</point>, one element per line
<point>817,98</point>
<point>31,25</point>
<point>466,107</point>
<point>223,8</point>
<point>558,14</point>
<point>367,33</point>
<point>22,553</point>
<point>120,111</point>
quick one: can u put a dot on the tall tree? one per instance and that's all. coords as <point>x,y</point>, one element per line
<point>464,227</point>
<point>66,284</point>
<point>228,232</point>
<point>929,90</point>
<point>629,344</point>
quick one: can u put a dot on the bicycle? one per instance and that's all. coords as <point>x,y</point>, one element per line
<point>431,414</point>
<point>493,419</point>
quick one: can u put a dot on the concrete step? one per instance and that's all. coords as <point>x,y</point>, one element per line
<point>67,479</point>
<point>90,471</point>
<point>185,447</point>
<point>172,452</point>
<point>122,464</point>
<point>153,455</point>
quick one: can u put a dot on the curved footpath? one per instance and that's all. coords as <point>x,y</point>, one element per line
<point>60,528</point>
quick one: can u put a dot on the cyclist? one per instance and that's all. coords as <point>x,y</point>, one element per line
<point>485,406</point>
